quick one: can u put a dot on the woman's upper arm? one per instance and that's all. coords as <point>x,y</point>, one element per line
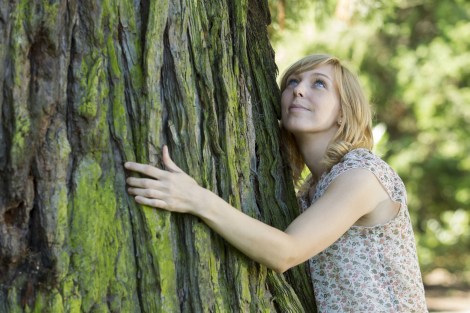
<point>349,197</point>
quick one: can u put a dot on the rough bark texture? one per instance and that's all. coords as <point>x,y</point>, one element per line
<point>86,85</point>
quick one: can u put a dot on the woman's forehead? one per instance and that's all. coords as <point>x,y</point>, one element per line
<point>325,69</point>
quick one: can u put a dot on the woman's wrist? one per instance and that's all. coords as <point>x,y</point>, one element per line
<point>198,197</point>
<point>204,203</point>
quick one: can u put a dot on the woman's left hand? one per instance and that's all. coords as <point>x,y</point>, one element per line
<point>170,189</point>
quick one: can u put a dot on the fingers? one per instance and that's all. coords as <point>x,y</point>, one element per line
<point>147,193</point>
<point>153,171</point>
<point>156,203</point>
<point>163,188</point>
<point>145,169</point>
<point>169,164</point>
<point>149,197</point>
<point>144,183</point>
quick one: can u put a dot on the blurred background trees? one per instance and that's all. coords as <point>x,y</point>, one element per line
<point>414,62</point>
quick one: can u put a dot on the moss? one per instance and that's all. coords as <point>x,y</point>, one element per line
<point>216,292</point>
<point>102,272</point>
<point>20,89</point>
<point>60,201</point>
<point>98,137</point>
<point>108,15</point>
<point>128,15</point>
<point>20,136</point>
<point>112,58</point>
<point>54,198</point>
<point>50,302</point>
<point>55,303</point>
<point>71,295</point>
<point>207,275</point>
<point>122,290</point>
<point>50,17</point>
<point>118,105</point>
<point>62,264</point>
<point>88,107</point>
<point>148,132</point>
<point>93,105</point>
<point>19,41</point>
<point>39,304</point>
<point>12,305</point>
<point>92,236</point>
<point>160,244</point>
<point>153,56</point>
<point>120,120</point>
<point>244,286</point>
<point>262,299</point>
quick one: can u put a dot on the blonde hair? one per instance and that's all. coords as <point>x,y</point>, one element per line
<point>355,130</point>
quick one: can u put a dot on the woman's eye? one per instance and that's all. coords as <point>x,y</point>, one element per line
<point>292,82</point>
<point>319,83</point>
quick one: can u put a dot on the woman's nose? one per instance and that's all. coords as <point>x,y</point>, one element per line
<point>298,91</point>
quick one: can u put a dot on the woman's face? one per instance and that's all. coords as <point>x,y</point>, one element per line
<point>310,102</point>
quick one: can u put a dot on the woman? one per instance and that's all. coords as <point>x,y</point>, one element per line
<point>354,230</point>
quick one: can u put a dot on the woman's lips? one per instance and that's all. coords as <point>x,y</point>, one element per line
<point>297,107</point>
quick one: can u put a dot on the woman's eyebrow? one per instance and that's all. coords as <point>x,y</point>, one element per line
<point>323,75</point>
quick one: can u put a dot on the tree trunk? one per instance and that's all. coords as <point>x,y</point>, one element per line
<point>87,85</point>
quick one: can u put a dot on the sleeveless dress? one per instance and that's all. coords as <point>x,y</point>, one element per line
<point>369,268</point>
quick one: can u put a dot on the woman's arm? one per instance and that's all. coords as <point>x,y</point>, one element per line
<point>350,196</point>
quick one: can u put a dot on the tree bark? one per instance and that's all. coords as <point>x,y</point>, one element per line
<point>87,85</point>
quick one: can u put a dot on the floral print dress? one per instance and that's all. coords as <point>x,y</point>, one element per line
<point>369,269</point>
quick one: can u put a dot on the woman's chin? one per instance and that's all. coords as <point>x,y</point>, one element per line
<point>295,125</point>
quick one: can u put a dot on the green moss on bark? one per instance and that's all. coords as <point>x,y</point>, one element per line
<point>93,239</point>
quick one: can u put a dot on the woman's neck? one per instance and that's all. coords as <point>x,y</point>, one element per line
<point>313,149</point>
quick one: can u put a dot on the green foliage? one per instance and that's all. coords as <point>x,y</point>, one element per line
<point>414,61</point>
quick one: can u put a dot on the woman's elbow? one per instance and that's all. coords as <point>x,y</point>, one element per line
<point>284,265</point>
<point>281,270</point>
<point>291,256</point>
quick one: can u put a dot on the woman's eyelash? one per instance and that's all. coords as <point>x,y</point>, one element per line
<point>319,81</point>
<point>316,83</point>
<point>292,81</point>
